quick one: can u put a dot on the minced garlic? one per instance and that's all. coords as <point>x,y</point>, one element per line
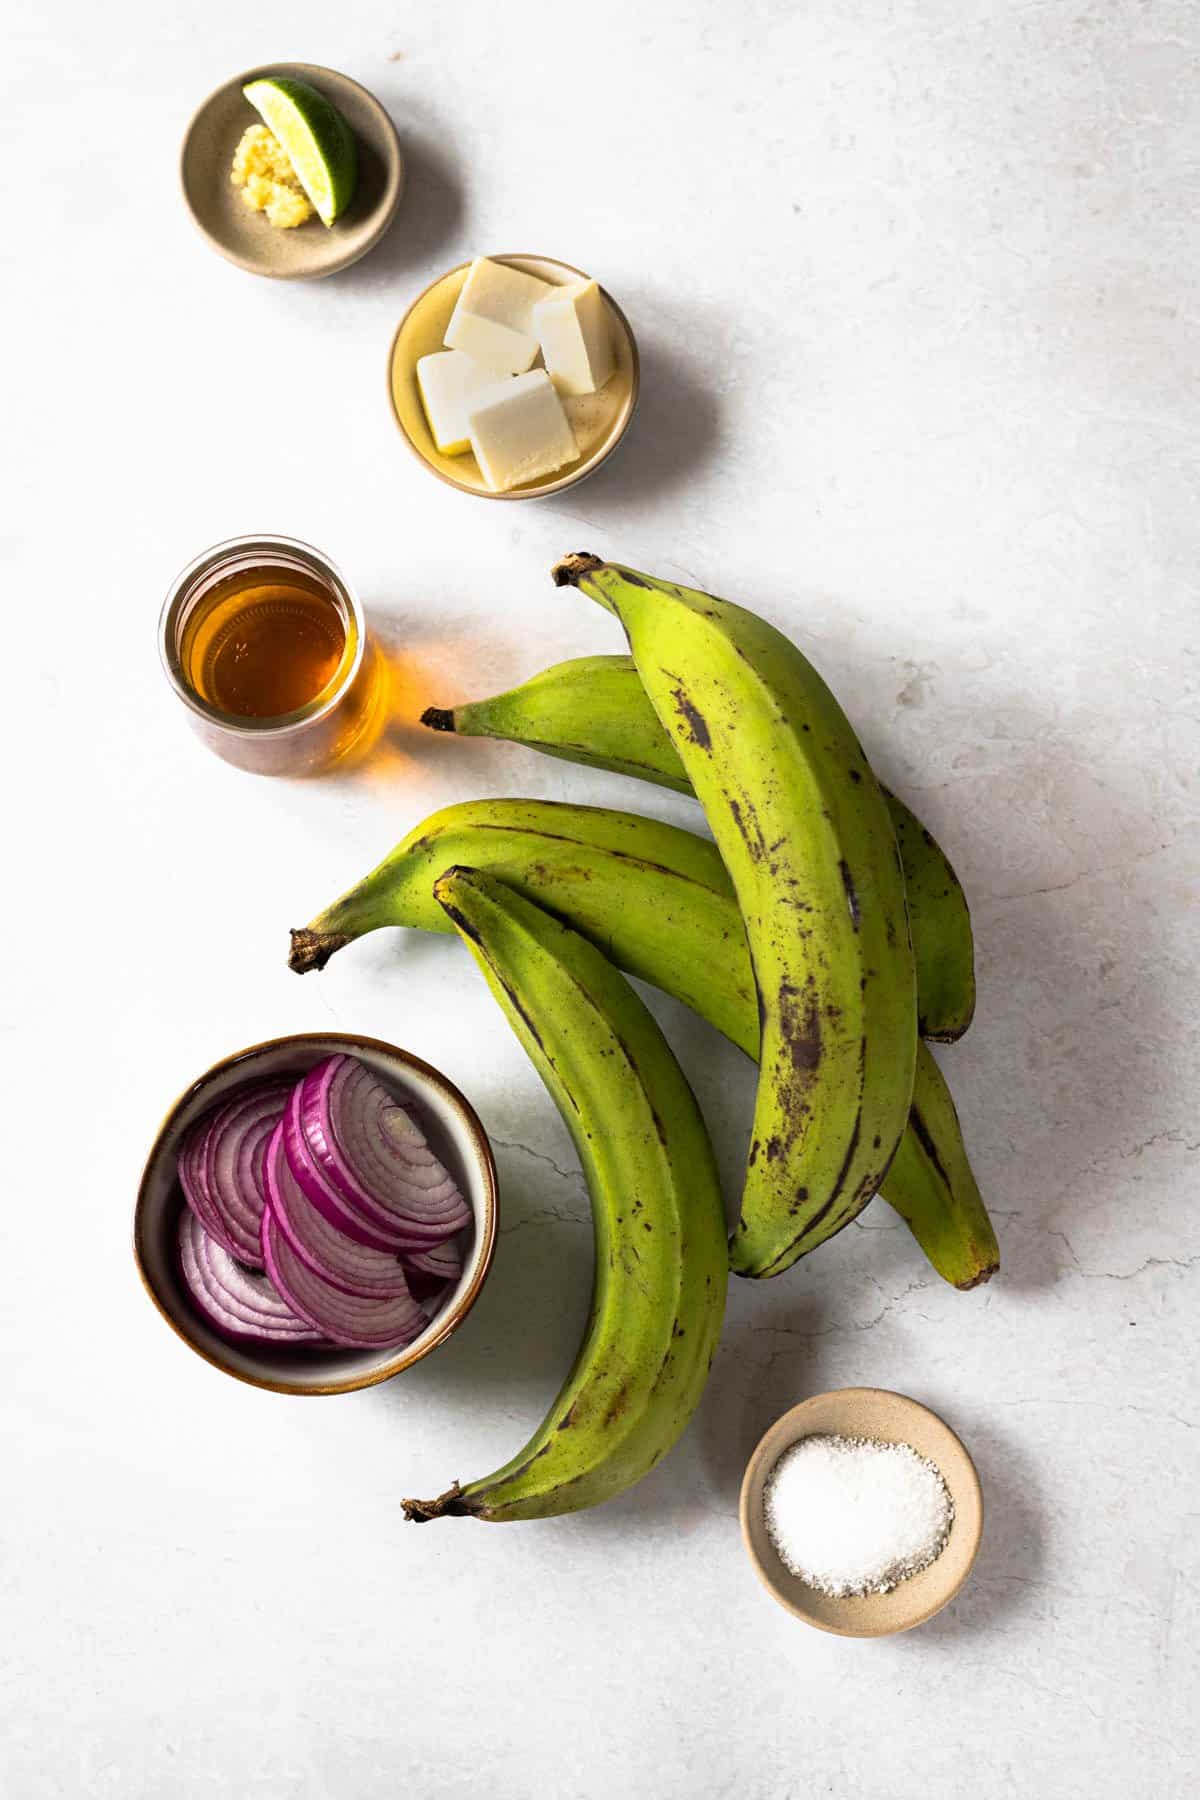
<point>267,179</point>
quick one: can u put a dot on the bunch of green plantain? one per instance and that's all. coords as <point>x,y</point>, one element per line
<point>823,931</point>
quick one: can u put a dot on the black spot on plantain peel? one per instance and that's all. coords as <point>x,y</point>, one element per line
<point>800,1029</point>
<point>694,719</point>
<point>852,901</point>
<point>745,816</point>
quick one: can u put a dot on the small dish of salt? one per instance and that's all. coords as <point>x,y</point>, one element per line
<point>861,1512</point>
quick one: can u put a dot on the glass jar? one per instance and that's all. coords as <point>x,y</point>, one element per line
<point>311,736</point>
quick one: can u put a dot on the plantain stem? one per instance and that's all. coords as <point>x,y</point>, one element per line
<point>985,1274</point>
<point>313,949</point>
<point>446,1506</point>
<point>438,718</point>
<point>571,570</point>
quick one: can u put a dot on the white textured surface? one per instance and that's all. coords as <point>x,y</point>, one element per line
<point>915,286</point>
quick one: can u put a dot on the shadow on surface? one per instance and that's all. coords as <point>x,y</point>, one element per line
<point>428,216</point>
<point>518,1342</point>
<point>1012,1548</point>
<point>418,668</point>
<point>674,431</point>
<point>1063,1075</point>
<point>748,1389</point>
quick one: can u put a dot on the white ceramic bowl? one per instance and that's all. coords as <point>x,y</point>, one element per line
<point>454,1133</point>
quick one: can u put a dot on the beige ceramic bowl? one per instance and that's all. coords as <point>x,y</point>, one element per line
<point>311,249</point>
<point>456,1135</point>
<point>892,1419</point>
<point>599,421</point>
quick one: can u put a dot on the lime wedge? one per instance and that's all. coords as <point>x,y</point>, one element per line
<point>316,140</point>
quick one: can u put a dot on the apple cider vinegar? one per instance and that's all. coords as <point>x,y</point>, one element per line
<point>265,643</point>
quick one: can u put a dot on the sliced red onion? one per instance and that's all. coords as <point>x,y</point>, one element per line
<point>443,1261</point>
<point>349,1319</point>
<point>432,1273</point>
<point>234,1301</point>
<point>353,1267</point>
<point>374,1155</point>
<point>233,1152</point>
<point>324,1196</point>
<point>194,1182</point>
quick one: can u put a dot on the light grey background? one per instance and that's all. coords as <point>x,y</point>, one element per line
<point>915,288</point>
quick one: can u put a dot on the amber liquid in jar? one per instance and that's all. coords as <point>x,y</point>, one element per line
<point>264,643</point>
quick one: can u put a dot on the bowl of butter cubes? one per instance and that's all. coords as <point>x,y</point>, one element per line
<point>513,377</point>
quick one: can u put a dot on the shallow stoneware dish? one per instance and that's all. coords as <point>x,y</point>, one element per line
<point>599,421</point>
<point>311,249</point>
<point>891,1419</point>
<point>456,1136</point>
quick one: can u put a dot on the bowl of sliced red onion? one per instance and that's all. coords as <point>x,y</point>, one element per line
<point>317,1213</point>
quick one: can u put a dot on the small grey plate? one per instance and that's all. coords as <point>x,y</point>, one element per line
<point>312,249</point>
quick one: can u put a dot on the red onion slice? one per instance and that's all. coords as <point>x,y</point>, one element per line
<point>324,1196</point>
<point>443,1260</point>
<point>374,1154</point>
<point>349,1319</point>
<point>190,1166</point>
<point>432,1273</point>
<point>238,1304</point>
<point>233,1154</point>
<point>353,1267</point>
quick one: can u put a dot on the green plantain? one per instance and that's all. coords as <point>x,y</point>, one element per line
<point>658,1292</point>
<point>932,1186</point>
<point>805,835</point>
<point>942,940</point>
<point>659,902</point>
<point>594,710</point>
<point>590,710</point>
<point>655,898</point>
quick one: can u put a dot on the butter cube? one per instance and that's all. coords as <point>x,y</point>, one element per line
<point>573,330</point>
<point>519,431</point>
<point>447,380</point>
<point>493,320</point>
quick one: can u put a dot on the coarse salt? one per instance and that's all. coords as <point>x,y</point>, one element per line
<point>854,1515</point>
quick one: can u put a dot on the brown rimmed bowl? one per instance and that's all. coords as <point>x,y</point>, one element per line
<point>599,421</point>
<point>455,1134</point>
<point>891,1419</point>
